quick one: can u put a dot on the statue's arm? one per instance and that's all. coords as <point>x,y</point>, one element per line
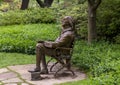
<point>62,42</point>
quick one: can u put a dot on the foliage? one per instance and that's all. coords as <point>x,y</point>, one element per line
<point>94,54</point>
<point>9,5</point>
<point>101,60</point>
<point>15,5</point>
<point>23,38</point>
<point>117,39</point>
<point>109,21</point>
<point>108,27</point>
<point>28,16</point>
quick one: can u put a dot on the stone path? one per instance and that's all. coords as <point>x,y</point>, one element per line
<point>19,75</point>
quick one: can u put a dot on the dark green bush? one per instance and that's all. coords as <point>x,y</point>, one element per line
<point>101,60</point>
<point>117,39</point>
<point>89,56</point>
<point>108,20</point>
<point>27,16</point>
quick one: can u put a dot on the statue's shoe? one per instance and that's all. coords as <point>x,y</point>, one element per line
<point>44,71</point>
<point>34,70</point>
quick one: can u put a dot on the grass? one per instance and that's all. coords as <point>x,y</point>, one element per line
<point>8,59</point>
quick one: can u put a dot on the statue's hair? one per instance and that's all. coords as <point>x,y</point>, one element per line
<point>71,22</point>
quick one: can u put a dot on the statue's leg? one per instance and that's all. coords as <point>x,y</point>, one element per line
<point>40,58</point>
<point>44,65</point>
<point>68,62</point>
<point>39,55</point>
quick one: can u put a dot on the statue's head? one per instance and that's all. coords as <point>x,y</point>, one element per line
<point>68,21</point>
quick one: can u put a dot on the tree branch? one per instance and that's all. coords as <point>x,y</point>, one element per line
<point>96,4</point>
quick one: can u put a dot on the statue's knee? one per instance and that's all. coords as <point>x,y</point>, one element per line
<point>39,45</point>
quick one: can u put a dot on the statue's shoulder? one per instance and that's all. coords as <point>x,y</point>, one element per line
<point>69,33</point>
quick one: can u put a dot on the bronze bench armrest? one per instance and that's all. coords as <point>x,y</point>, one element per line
<point>64,48</point>
<point>63,51</point>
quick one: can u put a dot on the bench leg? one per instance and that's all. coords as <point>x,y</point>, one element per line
<point>53,66</point>
<point>55,75</point>
<point>71,72</point>
<point>49,61</point>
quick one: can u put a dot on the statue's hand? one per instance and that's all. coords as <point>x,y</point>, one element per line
<point>48,44</point>
<point>40,41</point>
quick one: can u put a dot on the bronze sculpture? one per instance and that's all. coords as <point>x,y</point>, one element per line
<point>48,48</point>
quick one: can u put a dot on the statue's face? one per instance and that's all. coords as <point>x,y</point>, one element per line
<point>65,21</point>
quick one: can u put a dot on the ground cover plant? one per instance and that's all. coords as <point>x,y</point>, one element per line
<point>23,38</point>
<point>101,61</point>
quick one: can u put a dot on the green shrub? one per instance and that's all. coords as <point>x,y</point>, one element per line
<point>27,16</point>
<point>117,39</point>
<point>101,60</point>
<point>108,21</point>
<point>23,38</point>
<point>87,56</point>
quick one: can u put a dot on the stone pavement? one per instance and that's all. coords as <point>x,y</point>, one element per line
<point>19,75</point>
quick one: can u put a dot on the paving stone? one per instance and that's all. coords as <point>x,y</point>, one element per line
<point>24,84</point>
<point>11,84</point>
<point>12,80</point>
<point>7,75</point>
<point>3,70</point>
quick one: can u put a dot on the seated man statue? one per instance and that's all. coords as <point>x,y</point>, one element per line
<point>48,48</point>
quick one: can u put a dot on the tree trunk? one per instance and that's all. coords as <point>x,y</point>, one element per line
<point>92,7</point>
<point>41,4</point>
<point>24,4</point>
<point>48,3</point>
<point>92,35</point>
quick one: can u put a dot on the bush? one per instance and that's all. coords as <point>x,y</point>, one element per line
<point>101,60</point>
<point>27,16</point>
<point>117,39</point>
<point>23,38</point>
<point>108,21</point>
